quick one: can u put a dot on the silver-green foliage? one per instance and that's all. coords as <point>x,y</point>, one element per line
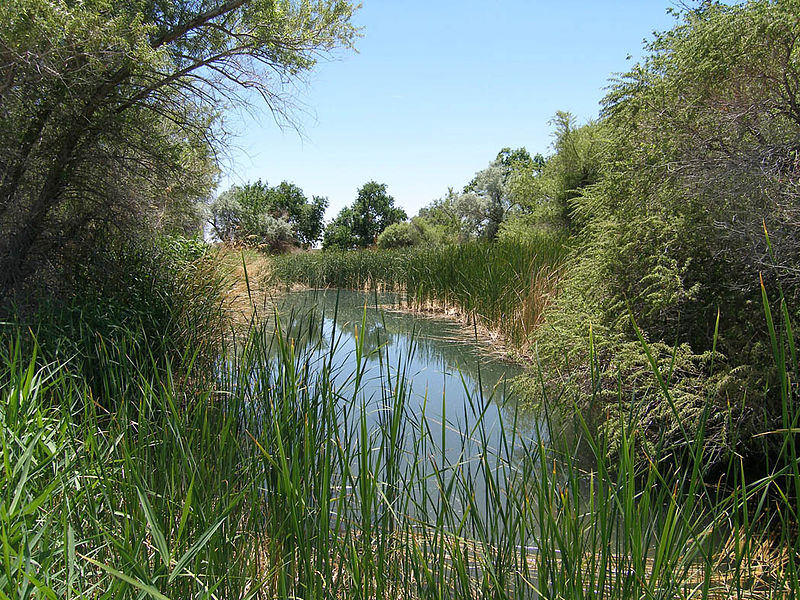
<point>485,202</point>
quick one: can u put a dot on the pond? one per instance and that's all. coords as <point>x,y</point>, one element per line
<point>431,402</point>
<point>450,377</point>
<point>397,421</point>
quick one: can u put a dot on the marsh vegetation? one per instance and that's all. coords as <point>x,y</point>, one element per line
<point>176,423</point>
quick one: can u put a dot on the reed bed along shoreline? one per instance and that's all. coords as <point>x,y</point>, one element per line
<point>271,483</point>
<point>504,286</point>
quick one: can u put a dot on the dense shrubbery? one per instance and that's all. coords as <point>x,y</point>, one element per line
<point>486,202</point>
<point>668,197</point>
<point>415,232</point>
<point>155,303</point>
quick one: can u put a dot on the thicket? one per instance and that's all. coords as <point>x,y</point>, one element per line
<point>416,232</point>
<point>273,218</point>
<point>157,304</point>
<point>682,204</point>
<point>491,198</point>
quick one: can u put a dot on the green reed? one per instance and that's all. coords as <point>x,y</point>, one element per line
<point>274,483</point>
<point>503,285</point>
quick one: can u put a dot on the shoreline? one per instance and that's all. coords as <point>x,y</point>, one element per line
<point>470,328</point>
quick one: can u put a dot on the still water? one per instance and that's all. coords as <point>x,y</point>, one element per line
<point>450,377</point>
<point>424,411</point>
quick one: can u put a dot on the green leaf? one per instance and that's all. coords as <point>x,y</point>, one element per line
<point>198,545</point>
<point>187,506</point>
<point>158,535</point>
<point>144,587</point>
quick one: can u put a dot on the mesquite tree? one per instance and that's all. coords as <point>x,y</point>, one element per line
<point>109,111</point>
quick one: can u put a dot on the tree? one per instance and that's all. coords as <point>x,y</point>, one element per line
<point>545,190</point>
<point>373,211</point>
<point>109,110</point>
<point>339,232</point>
<point>360,224</point>
<point>255,214</point>
<point>288,201</point>
<point>480,209</point>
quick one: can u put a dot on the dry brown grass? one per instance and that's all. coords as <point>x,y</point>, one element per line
<point>248,295</point>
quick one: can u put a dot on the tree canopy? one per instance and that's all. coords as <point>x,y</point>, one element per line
<point>359,225</point>
<point>482,206</point>
<point>109,111</point>
<point>255,214</point>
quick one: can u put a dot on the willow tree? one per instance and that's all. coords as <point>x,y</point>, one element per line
<point>110,111</point>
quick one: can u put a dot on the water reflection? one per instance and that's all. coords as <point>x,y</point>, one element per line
<point>451,377</point>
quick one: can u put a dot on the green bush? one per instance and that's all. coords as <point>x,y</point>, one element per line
<point>399,235</point>
<point>410,233</point>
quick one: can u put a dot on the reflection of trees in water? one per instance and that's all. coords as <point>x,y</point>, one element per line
<point>304,326</point>
<point>305,315</point>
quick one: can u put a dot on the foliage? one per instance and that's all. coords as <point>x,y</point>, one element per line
<point>409,233</point>
<point>443,215</point>
<point>108,110</point>
<point>485,201</point>
<point>523,225</point>
<point>339,233</point>
<point>545,191</point>
<point>257,215</point>
<point>359,225</point>
<point>278,485</point>
<point>151,300</point>
<point>399,235</point>
<point>699,143</point>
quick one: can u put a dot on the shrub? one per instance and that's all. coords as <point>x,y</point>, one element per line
<point>399,235</point>
<point>144,301</point>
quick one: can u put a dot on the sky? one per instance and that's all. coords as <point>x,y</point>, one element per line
<point>436,89</point>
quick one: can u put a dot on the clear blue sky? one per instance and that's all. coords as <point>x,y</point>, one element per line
<point>437,88</point>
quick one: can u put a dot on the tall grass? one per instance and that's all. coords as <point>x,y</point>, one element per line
<point>504,286</point>
<point>142,303</point>
<point>274,484</point>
